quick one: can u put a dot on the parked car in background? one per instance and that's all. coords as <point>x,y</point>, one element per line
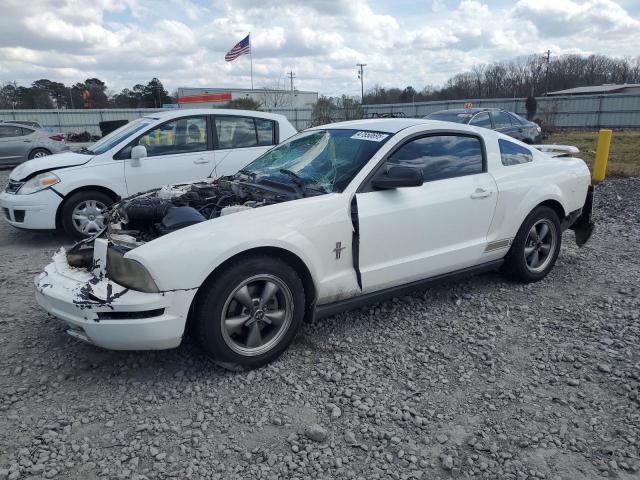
<point>501,121</point>
<point>72,190</point>
<point>333,218</point>
<point>19,143</point>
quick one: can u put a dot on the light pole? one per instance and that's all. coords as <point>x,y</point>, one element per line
<point>361,77</point>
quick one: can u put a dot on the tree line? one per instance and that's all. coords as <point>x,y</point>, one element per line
<point>523,77</point>
<point>92,93</point>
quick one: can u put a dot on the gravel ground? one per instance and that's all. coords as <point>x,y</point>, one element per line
<point>481,378</point>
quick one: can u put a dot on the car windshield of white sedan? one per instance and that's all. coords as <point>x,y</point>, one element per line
<point>114,138</point>
<point>326,160</point>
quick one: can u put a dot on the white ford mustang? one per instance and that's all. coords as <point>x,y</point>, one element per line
<point>336,216</point>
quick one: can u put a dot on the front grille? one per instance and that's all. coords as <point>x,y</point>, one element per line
<point>13,187</point>
<point>18,215</point>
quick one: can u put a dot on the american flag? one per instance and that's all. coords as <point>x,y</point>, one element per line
<point>241,48</point>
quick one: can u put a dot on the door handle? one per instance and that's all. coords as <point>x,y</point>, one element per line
<point>199,161</point>
<point>481,193</point>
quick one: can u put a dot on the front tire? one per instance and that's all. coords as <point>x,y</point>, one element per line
<point>536,246</point>
<point>250,312</point>
<point>83,213</point>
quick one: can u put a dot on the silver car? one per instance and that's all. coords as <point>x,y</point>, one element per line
<point>19,142</point>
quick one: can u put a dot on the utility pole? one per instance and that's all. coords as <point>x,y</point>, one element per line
<point>291,77</point>
<point>361,77</point>
<point>547,73</point>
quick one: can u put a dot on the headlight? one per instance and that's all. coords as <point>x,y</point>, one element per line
<point>39,182</point>
<point>129,273</point>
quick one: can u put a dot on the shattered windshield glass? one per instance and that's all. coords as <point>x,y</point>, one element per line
<point>323,159</point>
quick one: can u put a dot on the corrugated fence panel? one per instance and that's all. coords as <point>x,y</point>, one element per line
<point>584,111</point>
<point>587,111</point>
<point>75,120</point>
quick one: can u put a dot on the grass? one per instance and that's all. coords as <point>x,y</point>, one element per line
<point>624,155</point>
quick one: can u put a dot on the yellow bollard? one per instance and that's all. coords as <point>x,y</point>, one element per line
<point>602,155</point>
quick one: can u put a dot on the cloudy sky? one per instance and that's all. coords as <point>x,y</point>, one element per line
<point>403,42</point>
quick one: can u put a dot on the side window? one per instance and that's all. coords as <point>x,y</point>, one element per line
<point>184,135</point>
<point>512,154</point>
<point>236,132</point>
<point>515,120</point>
<point>265,132</point>
<point>501,119</point>
<point>481,120</point>
<point>441,156</point>
<point>11,131</point>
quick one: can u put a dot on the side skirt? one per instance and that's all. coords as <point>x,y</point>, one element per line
<point>330,309</point>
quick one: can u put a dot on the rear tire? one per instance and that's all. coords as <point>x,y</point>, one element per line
<point>250,312</point>
<point>38,153</point>
<point>82,213</point>
<point>536,246</point>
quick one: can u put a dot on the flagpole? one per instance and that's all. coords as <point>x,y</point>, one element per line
<point>251,58</point>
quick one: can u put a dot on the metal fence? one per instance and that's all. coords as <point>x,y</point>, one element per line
<point>586,111</point>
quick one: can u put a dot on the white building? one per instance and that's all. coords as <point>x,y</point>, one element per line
<point>218,97</point>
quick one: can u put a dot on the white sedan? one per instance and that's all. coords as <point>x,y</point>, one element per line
<point>334,217</point>
<point>72,190</point>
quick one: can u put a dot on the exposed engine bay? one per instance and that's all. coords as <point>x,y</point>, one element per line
<point>149,215</point>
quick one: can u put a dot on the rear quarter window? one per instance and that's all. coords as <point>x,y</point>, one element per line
<point>513,154</point>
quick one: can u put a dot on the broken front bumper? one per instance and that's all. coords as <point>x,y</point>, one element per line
<point>108,315</point>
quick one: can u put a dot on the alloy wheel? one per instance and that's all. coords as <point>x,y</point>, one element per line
<point>257,315</point>
<point>540,245</point>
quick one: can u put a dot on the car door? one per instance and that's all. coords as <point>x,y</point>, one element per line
<point>14,144</point>
<point>178,151</point>
<point>411,233</point>
<point>239,141</point>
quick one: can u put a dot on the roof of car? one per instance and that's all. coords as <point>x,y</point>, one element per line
<point>467,110</point>
<point>11,124</point>
<point>388,125</point>
<point>180,112</point>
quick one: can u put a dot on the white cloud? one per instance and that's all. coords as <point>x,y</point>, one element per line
<point>183,42</point>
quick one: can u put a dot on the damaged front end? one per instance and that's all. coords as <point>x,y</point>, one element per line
<point>112,301</point>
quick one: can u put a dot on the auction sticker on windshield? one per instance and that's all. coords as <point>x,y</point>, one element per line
<point>370,136</point>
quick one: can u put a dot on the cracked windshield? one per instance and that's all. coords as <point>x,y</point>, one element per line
<point>326,160</point>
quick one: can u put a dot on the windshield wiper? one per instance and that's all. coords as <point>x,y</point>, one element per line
<point>301,183</point>
<point>86,150</point>
<point>297,180</point>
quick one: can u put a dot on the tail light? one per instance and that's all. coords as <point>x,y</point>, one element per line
<point>57,137</point>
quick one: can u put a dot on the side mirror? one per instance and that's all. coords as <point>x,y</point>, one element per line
<point>398,176</point>
<point>138,152</point>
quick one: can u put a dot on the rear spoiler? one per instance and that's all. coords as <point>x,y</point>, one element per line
<point>557,150</point>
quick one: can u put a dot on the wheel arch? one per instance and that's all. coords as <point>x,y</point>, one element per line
<point>554,205</point>
<point>293,260</point>
<point>107,191</point>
